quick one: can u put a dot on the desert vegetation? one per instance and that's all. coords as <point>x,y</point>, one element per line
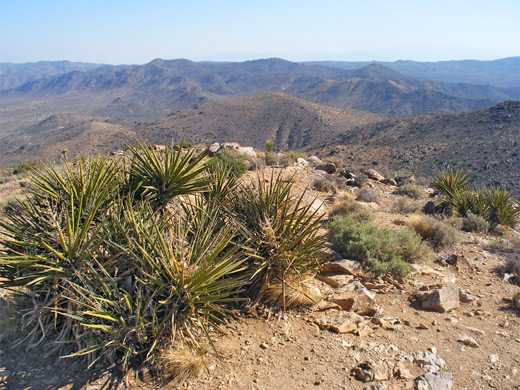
<point>138,260</point>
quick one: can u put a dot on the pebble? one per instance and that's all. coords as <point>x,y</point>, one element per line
<point>493,358</point>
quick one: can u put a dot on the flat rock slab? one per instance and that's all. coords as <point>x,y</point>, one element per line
<point>342,322</point>
<point>342,267</point>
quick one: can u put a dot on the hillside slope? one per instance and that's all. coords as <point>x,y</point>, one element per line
<point>484,141</point>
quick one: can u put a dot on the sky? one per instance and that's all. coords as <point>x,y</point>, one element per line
<point>136,32</point>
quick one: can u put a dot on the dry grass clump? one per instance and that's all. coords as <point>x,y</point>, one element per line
<point>405,205</point>
<point>324,184</point>
<point>438,233</point>
<point>180,363</point>
<point>290,293</point>
<point>345,204</point>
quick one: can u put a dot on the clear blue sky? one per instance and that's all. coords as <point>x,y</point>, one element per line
<point>135,32</point>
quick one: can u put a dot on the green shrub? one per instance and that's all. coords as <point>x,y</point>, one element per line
<point>475,223</point>
<point>111,278</point>
<point>451,183</point>
<point>411,190</point>
<point>237,162</point>
<point>381,250</point>
<point>159,176</point>
<point>269,146</point>
<point>271,158</point>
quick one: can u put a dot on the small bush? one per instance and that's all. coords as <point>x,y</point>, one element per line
<point>440,234</point>
<point>237,162</point>
<point>269,146</point>
<point>381,250</point>
<point>406,205</point>
<point>324,184</point>
<point>271,159</point>
<point>411,190</point>
<point>345,205</point>
<point>367,196</point>
<point>475,223</point>
<point>516,300</point>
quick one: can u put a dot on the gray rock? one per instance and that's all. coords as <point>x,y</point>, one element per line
<point>469,341</point>
<point>435,381</point>
<point>465,296</point>
<point>429,360</point>
<point>301,162</point>
<point>213,148</point>
<point>441,299</point>
<point>327,167</point>
<point>314,161</point>
<point>374,175</point>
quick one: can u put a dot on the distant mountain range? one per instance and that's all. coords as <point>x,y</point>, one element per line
<point>160,87</point>
<point>504,72</point>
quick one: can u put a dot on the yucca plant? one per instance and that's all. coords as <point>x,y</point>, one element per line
<point>52,236</point>
<point>178,278</point>
<point>223,182</point>
<point>502,207</point>
<point>453,185</point>
<point>284,233</point>
<point>159,176</point>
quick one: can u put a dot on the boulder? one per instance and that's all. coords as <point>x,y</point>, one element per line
<point>357,298</point>
<point>314,161</point>
<point>345,267</point>
<point>247,151</point>
<point>327,167</point>
<point>301,162</point>
<point>435,381</point>
<point>213,148</point>
<point>315,204</point>
<point>390,182</point>
<point>373,174</point>
<point>441,299</point>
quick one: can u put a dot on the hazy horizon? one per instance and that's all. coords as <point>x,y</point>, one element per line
<point>132,32</point>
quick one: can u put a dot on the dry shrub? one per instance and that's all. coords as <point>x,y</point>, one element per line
<point>438,233</point>
<point>475,223</point>
<point>516,300</point>
<point>324,184</point>
<point>291,292</point>
<point>513,263</point>
<point>181,363</point>
<point>405,205</point>
<point>367,196</point>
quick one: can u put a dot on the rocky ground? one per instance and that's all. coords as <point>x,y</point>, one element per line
<point>450,324</point>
